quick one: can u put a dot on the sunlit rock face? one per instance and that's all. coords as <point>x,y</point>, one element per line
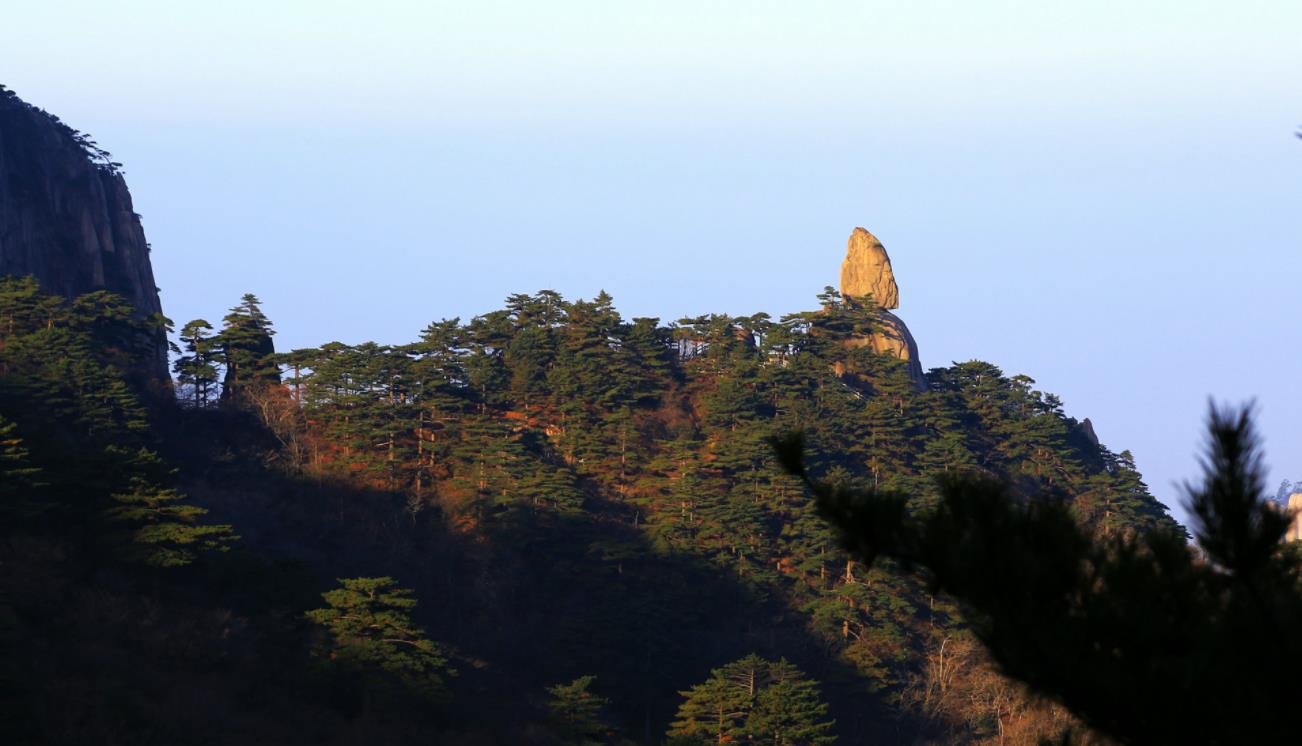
<point>1295,507</point>
<point>866,272</point>
<point>893,338</point>
<point>66,216</point>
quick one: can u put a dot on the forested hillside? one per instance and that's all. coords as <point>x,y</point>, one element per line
<point>546,525</point>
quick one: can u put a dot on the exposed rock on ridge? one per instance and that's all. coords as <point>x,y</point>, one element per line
<point>66,216</point>
<point>1295,507</point>
<point>866,272</point>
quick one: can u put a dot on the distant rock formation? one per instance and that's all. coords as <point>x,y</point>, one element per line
<point>1087,429</point>
<point>66,216</point>
<point>866,272</point>
<point>1295,507</point>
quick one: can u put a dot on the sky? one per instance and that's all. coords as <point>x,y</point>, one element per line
<point>1104,196</point>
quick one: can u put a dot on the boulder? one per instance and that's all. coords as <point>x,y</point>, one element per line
<point>867,271</point>
<point>893,338</point>
<point>1295,508</point>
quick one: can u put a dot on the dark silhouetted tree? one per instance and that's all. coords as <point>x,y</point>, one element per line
<point>197,365</point>
<point>577,713</point>
<point>1145,638</point>
<point>247,351</point>
<point>166,530</point>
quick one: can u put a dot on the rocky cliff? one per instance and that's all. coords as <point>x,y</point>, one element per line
<point>66,216</point>
<point>867,277</point>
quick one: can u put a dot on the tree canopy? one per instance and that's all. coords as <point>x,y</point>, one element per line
<point>1143,637</point>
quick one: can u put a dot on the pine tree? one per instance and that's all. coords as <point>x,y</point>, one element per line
<point>489,471</point>
<point>196,367</point>
<point>25,309</point>
<point>577,714</point>
<point>246,349</point>
<point>550,428</point>
<point>753,700</point>
<point>53,375</point>
<point>370,632</point>
<point>19,479</point>
<point>789,710</point>
<point>115,329</point>
<point>946,445</point>
<point>647,360</point>
<point>545,486</point>
<point>486,374</point>
<point>166,529</point>
<point>1195,642</point>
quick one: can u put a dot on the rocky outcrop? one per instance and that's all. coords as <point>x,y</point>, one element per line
<point>867,276</point>
<point>1295,509</point>
<point>1087,429</point>
<point>867,271</point>
<point>893,338</point>
<point>66,216</point>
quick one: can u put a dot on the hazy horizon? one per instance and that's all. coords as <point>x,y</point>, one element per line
<point>1104,199</point>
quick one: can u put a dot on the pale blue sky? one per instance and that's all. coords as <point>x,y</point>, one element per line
<point>1104,196</point>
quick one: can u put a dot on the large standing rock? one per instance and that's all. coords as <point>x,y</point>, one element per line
<point>1295,507</point>
<point>66,216</point>
<point>865,272</point>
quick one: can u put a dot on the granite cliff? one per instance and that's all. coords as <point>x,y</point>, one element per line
<point>867,277</point>
<point>66,216</point>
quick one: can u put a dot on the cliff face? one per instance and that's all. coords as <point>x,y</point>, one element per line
<point>66,216</point>
<point>867,276</point>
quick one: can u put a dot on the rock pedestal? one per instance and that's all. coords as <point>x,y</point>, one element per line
<point>867,277</point>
